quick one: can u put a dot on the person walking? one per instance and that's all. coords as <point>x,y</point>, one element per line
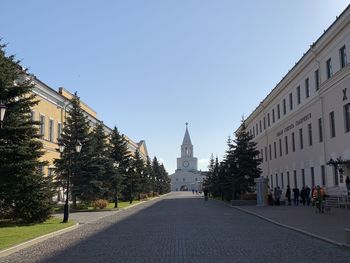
<point>307,195</point>
<point>205,191</point>
<point>278,195</point>
<point>296,193</point>
<point>288,192</point>
<point>303,195</point>
<point>347,182</point>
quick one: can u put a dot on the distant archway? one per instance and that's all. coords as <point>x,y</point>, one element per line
<point>184,188</point>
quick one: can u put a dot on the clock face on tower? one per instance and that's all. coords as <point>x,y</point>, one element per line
<point>185,163</point>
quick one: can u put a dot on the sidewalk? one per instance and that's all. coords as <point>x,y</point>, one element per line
<point>328,226</point>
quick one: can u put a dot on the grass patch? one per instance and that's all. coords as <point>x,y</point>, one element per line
<point>122,204</point>
<point>12,234</point>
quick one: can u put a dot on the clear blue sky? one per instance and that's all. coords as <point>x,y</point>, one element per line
<point>150,66</point>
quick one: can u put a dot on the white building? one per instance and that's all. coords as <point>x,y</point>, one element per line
<point>303,125</point>
<point>186,176</point>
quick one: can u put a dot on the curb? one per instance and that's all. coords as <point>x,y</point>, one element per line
<point>292,228</point>
<point>10,250</point>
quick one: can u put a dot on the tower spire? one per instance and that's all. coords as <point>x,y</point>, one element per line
<point>187,138</point>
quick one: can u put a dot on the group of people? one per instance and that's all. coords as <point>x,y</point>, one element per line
<point>302,196</point>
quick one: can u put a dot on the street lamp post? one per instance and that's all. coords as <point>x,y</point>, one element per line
<point>2,113</point>
<point>78,147</point>
<point>116,165</point>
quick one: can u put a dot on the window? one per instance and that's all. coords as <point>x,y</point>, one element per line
<point>312,176</point>
<point>320,130</point>
<point>253,131</point>
<point>265,154</point>
<point>293,142</point>
<point>301,138</point>
<point>329,68</point>
<point>51,130</point>
<point>32,115</point>
<point>288,178</point>
<point>184,179</point>
<point>280,146</point>
<point>309,127</point>
<point>298,94</point>
<point>347,117</point>
<point>286,144</point>
<point>59,130</point>
<point>262,155</point>
<point>260,126</point>
<point>42,126</point>
<point>278,111</point>
<point>307,90</point>
<point>277,185</point>
<point>295,178</point>
<point>343,58</point>
<point>270,152</point>
<point>275,149</point>
<point>332,124</point>
<point>273,115</point>
<point>282,181</point>
<point>284,107</point>
<point>271,181</point>
<point>303,177</point>
<point>317,80</point>
<point>323,175</point>
<point>264,123</point>
<point>268,119</point>
<point>256,127</point>
<point>290,101</point>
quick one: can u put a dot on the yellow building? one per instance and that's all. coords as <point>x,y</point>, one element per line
<point>51,113</point>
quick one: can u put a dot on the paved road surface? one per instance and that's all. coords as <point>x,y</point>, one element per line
<point>181,228</point>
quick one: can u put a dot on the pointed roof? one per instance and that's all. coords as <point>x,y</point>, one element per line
<point>187,138</point>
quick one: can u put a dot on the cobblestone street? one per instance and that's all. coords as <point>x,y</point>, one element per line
<point>181,228</point>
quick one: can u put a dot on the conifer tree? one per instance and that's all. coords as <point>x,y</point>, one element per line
<point>247,160</point>
<point>99,167</point>
<point>75,130</point>
<point>25,194</point>
<point>120,155</point>
<point>137,179</point>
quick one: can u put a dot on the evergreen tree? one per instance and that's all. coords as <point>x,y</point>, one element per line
<point>75,130</point>
<point>120,155</point>
<point>99,167</point>
<point>137,179</point>
<point>156,175</point>
<point>247,160</point>
<point>25,194</point>
<point>149,176</point>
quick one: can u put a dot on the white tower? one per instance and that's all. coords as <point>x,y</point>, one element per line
<point>187,162</point>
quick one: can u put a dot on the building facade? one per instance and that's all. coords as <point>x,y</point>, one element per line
<point>186,176</point>
<point>51,111</point>
<point>302,128</point>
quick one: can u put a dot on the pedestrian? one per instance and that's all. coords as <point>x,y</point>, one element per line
<point>192,191</point>
<point>313,195</point>
<point>303,195</point>
<point>269,196</point>
<point>347,182</point>
<point>275,195</point>
<point>205,191</point>
<point>196,192</point>
<point>307,194</point>
<point>319,196</point>
<point>296,195</point>
<point>288,194</point>
<point>278,196</point>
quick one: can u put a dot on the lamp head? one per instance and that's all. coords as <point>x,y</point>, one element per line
<point>78,146</point>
